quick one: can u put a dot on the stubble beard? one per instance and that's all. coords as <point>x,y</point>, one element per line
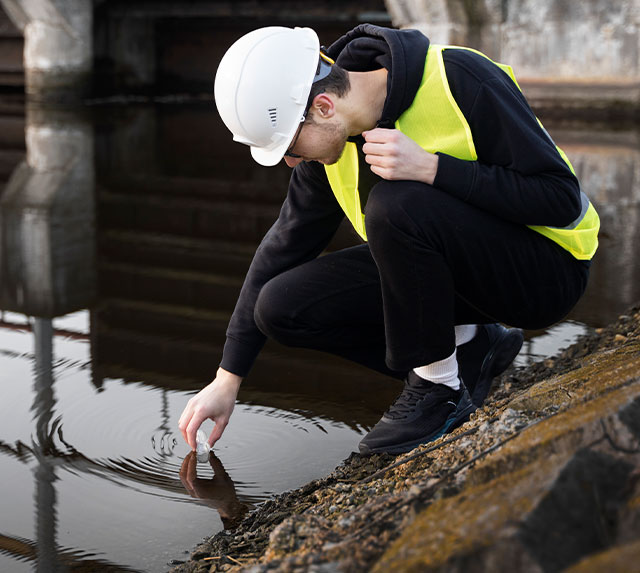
<point>338,138</point>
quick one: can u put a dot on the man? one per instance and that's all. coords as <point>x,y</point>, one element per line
<point>470,213</point>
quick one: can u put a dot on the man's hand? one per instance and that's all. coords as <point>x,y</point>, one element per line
<point>215,401</point>
<point>394,156</point>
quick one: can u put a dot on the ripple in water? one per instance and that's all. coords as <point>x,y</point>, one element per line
<point>128,434</point>
<point>116,452</point>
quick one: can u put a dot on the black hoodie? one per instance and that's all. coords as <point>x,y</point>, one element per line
<point>519,175</point>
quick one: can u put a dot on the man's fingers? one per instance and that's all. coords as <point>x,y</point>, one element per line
<point>185,419</point>
<point>383,152</point>
<point>381,162</point>
<point>192,428</point>
<point>374,149</point>
<point>373,159</point>
<point>381,172</point>
<point>378,135</point>
<point>218,429</point>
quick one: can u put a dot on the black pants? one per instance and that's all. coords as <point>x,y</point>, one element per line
<point>432,262</point>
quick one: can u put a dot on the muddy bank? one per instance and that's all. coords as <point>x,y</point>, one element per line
<point>546,476</point>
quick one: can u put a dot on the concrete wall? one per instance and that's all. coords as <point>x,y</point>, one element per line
<point>587,41</point>
<point>146,43</point>
<point>596,40</point>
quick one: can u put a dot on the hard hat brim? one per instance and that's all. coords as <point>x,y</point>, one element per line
<point>271,157</point>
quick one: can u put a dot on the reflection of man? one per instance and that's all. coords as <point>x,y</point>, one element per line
<point>472,216</point>
<point>218,492</point>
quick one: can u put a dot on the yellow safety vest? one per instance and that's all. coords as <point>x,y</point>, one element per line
<point>435,122</point>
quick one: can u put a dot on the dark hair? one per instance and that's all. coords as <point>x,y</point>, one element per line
<point>337,82</point>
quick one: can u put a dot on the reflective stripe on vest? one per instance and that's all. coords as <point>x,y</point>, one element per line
<point>434,121</point>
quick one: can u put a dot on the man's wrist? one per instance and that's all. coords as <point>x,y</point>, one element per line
<point>431,168</point>
<point>226,377</point>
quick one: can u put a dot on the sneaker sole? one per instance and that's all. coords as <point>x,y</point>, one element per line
<point>500,356</point>
<point>456,419</point>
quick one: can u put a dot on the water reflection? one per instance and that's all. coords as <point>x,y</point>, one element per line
<point>163,440</point>
<point>217,492</point>
<point>44,550</point>
<point>47,246</point>
<point>43,447</point>
<point>64,559</point>
<point>124,238</point>
<point>608,164</point>
<point>110,464</point>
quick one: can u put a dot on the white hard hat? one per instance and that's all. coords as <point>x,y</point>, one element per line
<point>262,86</point>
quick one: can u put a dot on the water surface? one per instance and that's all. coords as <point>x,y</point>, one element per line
<point>125,233</point>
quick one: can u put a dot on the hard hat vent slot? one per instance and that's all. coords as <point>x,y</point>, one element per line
<point>273,116</point>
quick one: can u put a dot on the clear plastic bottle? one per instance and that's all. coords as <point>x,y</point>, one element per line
<point>202,447</point>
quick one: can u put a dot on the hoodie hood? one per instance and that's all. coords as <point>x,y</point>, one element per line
<point>401,52</point>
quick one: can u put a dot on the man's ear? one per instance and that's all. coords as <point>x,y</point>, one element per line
<point>324,106</point>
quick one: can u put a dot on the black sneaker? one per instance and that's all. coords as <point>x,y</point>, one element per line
<point>421,413</point>
<point>488,354</point>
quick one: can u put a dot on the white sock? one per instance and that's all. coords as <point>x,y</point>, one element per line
<point>465,332</point>
<point>441,372</point>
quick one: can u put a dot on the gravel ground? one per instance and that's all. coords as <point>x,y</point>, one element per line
<point>346,520</point>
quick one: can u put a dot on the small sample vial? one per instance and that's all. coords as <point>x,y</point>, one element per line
<point>202,447</point>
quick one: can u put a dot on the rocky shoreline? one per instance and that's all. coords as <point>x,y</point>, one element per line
<point>545,477</point>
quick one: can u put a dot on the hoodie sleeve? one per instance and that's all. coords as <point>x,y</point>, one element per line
<point>309,218</point>
<point>519,175</point>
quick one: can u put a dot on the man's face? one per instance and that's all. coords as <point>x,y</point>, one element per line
<point>321,141</point>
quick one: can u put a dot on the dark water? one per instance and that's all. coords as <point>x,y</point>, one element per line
<point>125,232</point>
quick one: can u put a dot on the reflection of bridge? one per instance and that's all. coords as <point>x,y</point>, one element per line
<point>46,458</point>
<point>607,163</point>
<point>175,232</point>
<point>65,559</point>
<point>174,235</point>
<point>49,453</point>
<point>162,262</point>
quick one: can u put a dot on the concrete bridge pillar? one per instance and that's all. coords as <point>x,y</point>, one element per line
<point>58,46</point>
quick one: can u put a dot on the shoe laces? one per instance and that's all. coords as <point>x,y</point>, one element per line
<point>415,390</point>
